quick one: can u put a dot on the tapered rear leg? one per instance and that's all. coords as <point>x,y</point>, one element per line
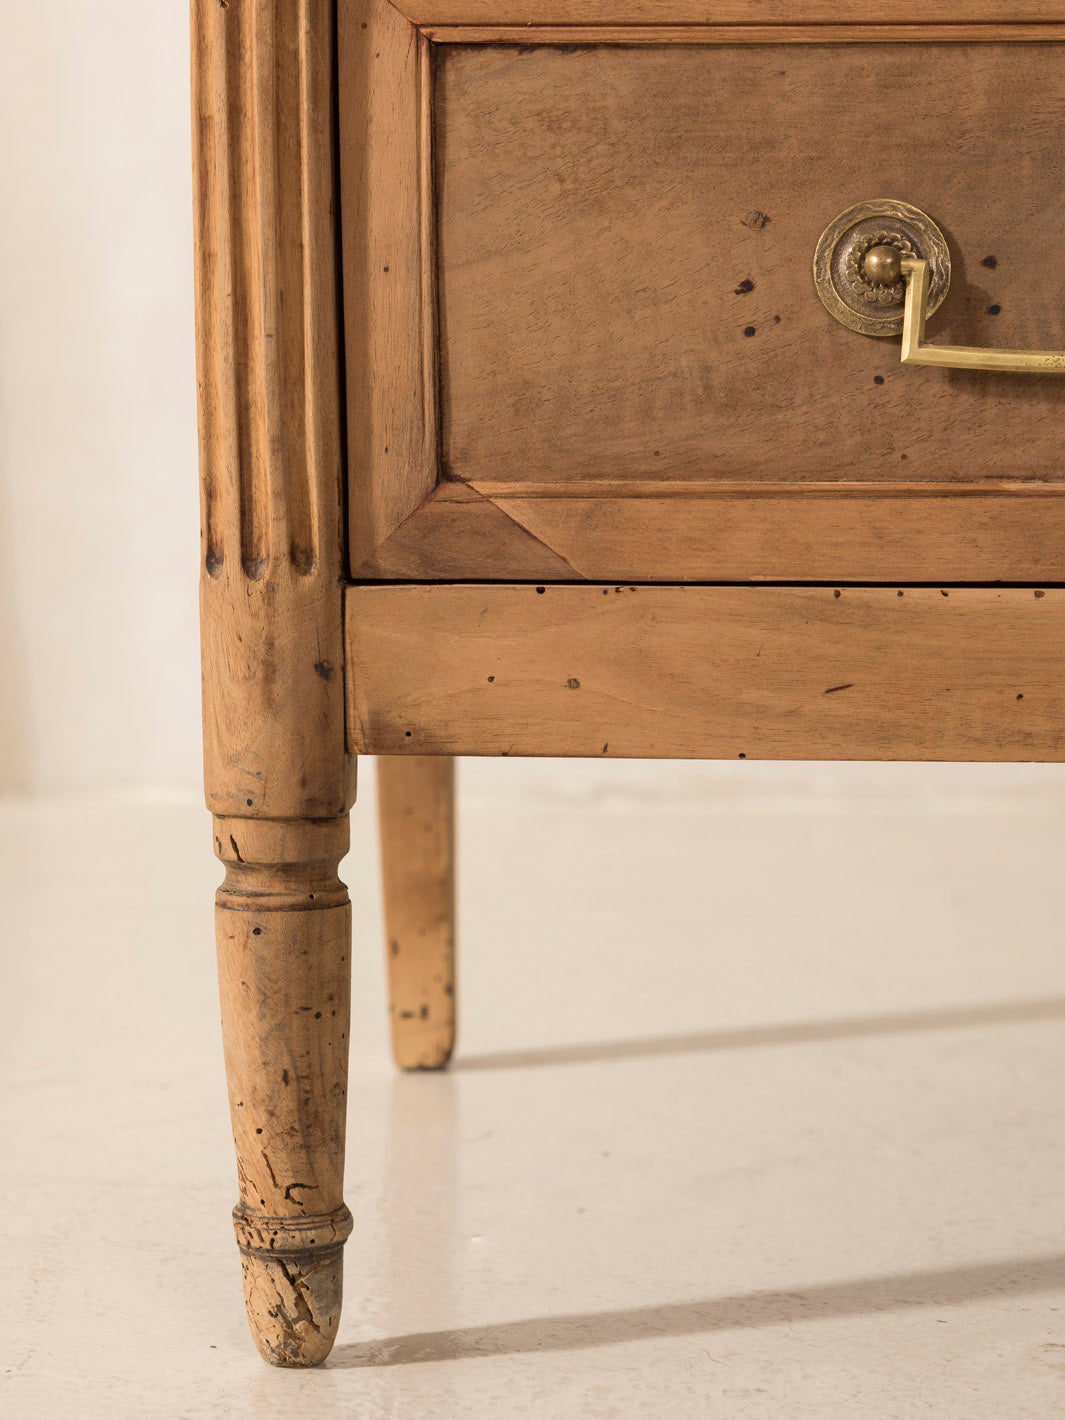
<point>416,797</point>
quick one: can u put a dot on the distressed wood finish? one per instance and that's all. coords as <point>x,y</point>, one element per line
<point>388,264</point>
<point>284,928</point>
<point>590,236</point>
<point>275,766</point>
<point>532,13</point>
<point>708,672</point>
<point>458,533</point>
<point>687,532</point>
<point>416,798</point>
<point>742,34</point>
<point>673,477</point>
<point>625,238</point>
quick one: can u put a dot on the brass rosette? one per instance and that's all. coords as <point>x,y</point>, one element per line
<point>846,290</point>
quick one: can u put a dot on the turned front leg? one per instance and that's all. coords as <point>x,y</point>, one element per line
<point>276,774</point>
<point>284,930</point>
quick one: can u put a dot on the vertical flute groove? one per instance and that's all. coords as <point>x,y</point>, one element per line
<point>256,412</point>
<point>305,510</point>
<point>208,142</point>
<point>303,549</point>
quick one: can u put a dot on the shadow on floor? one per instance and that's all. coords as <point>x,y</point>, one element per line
<point>1005,1013</point>
<point>863,1297</point>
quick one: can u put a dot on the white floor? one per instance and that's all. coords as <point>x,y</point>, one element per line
<point>759,1111</point>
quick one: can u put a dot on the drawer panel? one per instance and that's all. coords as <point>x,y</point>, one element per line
<point>582,335</point>
<point>625,239</point>
<point>708,672</point>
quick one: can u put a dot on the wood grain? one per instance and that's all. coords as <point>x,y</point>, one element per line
<point>276,773</point>
<point>625,238</point>
<point>433,13</point>
<point>267,363</point>
<point>458,533</point>
<point>743,34</point>
<point>683,532</point>
<point>388,264</point>
<point>729,532</point>
<point>708,672</point>
<point>416,800</point>
<point>284,928</point>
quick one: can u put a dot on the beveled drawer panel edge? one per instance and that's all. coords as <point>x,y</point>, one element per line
<point>776,532</point>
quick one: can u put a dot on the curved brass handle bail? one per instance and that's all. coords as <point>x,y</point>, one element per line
<point>960,357</point>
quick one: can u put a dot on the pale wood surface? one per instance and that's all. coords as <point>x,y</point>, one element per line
<point>389,280</point>
<point>741,34</point>
<point>598,228</point>
<point>434,13</point>
<point>708,672</point>
<point>267,366</point>
<point>276,773</point>
<point>678,532</point>
<point>579,195</point>
<point>284,928</point>
<point>687,532</point>
<point>416,799</point>
<point>458,533</point>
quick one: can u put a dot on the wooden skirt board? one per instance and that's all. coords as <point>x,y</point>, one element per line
<point>583,339</point>
<point>707,672</point>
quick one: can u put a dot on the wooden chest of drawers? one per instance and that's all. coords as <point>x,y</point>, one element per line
<point>527,429</point>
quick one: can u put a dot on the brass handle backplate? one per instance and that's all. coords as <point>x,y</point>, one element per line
<point>883,267</point>
<point>854,273</point>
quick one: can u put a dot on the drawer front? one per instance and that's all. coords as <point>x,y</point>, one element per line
<point>625,247</point>
<point>602,263</point>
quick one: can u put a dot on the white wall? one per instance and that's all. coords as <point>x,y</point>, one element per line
<point>99,678</point>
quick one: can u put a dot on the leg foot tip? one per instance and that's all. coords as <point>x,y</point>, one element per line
<point>424,1064</point>
<point>293,1303</point>
<point>413,1050</point>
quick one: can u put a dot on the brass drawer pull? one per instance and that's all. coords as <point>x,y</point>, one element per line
<point>916,274</point>
<point>883,267</point>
